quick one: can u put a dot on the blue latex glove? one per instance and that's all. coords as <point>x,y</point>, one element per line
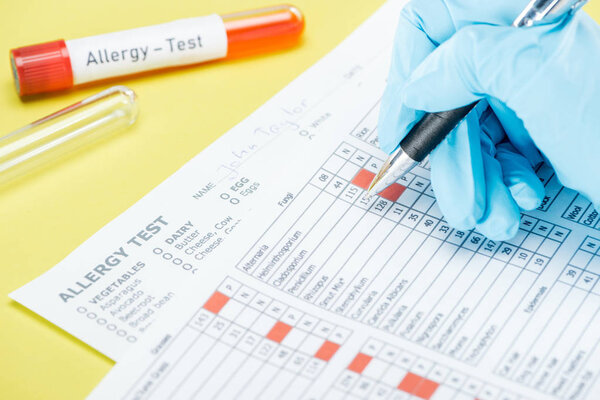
<point>541,93</point>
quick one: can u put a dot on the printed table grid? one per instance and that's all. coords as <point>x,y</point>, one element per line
<point>554,354</point>
<point>243,336</point>
<point>383,371</point>
<point>582,211</point>
<point>396,264</point>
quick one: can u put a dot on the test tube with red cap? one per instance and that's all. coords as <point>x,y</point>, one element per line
<point>62,64</point>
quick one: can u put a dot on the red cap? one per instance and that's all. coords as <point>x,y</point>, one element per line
<point>41,68</point>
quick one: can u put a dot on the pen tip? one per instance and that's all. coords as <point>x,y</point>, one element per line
<point>371,186</point>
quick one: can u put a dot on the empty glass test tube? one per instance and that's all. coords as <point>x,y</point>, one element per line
<point>65,131</point>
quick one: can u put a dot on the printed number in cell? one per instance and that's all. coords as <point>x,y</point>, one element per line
<point>265,349</point>
<point>411,219</point>
<point>442,231</point>
<point>381,391</point>
<point>537,263</point>
<point>336,186</point>
<point>217,327</point>
<point>473,241</point>
<point>363,387</point>
<point>233,334</point>
<point>489,248</point>
<point>427,225</point>
<point>346,380</point>
<point>202,319</point>
<point>249,342</point>
<point>395,213</point>
<point>365,202</point>
<point>381,206</point>
<point>297,362</point>
<point>505,252</point>
<point>321,179</point>
<point>586,281</point>
<point>351,194</point>
<point>521,258</point>
<point>313,368</point>
<point>570,275</point>
<point>280,357</point>
<point>457,237</point>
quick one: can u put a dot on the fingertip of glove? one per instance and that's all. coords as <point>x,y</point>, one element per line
<point>504,235</point>
<point>461,222</point>
<point>501,229</point>
<point>527,197</point>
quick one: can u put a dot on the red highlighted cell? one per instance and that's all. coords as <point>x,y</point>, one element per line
<point>359,363</point>
<point>279,331</point>
<point>216,302</point>
<point>393,192</point>
<point>327,350</point>
<point>364,178</point>
<point>410,383</point>
<point>426,389</point>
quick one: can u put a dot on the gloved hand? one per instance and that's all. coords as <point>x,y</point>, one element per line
<point>541,94</point>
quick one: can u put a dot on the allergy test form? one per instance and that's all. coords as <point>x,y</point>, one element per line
<point>260,270</point>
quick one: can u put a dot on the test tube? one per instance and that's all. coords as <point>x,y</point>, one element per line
<point>262,30</point>
<point>61,64</point>
<point>65,131</point>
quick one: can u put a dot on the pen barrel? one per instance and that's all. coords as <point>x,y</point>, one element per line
<point>429,132</point>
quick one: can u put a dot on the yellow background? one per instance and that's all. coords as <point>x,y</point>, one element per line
<point>47,215</point>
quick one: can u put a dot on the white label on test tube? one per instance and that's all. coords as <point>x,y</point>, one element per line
<point>181,42</point>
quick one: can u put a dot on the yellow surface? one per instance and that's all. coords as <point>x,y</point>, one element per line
<point>47,215</point>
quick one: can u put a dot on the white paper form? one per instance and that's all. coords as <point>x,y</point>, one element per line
<point>474,319</point>
<point>323,294</point>
<point>320,293</point>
